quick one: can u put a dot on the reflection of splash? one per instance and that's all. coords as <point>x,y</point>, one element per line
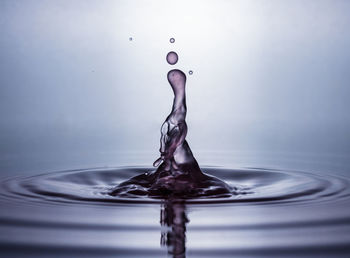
<point>173,219</point>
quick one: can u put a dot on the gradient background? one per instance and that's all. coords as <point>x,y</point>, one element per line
<point>271,82</point>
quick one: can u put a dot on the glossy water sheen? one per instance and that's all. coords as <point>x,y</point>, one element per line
<point>273,212</point>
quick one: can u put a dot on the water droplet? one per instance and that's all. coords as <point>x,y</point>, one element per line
<point>130,39</point>
<point>172,40</point>
<point>190,72</point>
<point>172,58</point>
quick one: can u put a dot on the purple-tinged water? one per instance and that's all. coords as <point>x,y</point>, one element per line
<point>178,173</point>
<point>172,58</point>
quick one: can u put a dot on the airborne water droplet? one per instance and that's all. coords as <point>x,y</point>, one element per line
<point>130,39</point>
<point>190,72</point>
<point>172,40</point>
<point>172,58</point>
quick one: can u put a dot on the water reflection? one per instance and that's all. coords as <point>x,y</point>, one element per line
<point>173,218</point>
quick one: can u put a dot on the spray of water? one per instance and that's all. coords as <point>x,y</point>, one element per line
<point>178,173</point>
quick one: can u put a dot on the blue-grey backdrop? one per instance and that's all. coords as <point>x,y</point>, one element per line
<point>270,77</point>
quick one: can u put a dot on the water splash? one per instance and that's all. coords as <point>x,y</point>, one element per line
<point>178,173</point>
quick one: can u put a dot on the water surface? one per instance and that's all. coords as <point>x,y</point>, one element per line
<point>273,212</point>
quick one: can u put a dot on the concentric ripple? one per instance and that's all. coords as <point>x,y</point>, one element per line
<point>271,212</point>
<point>254,185</point>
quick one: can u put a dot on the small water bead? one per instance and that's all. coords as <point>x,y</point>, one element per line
<point>172,58</point>
<point>130,39</point>
<point>190,72</point>
<point>172,40</point>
